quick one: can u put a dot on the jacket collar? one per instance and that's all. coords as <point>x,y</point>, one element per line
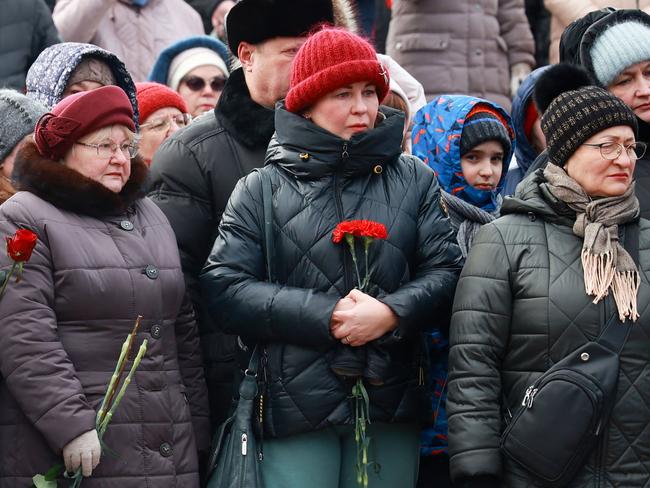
<point>310,152</point>
<point>69,190</point>
<point>246,121</point>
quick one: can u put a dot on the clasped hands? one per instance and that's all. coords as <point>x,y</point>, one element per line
<point>359,318</point>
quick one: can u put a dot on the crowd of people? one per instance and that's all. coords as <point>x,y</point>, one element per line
<point>196,164</point>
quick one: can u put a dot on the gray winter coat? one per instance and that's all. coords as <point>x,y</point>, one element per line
<point>520,307</point>
<point>26,28</point>
<point>100,260</point>
<point>461,46</point>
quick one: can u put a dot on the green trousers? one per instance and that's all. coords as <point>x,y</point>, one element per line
<point>326,458</point>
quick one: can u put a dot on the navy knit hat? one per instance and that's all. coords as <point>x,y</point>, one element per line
<point>484,124</point>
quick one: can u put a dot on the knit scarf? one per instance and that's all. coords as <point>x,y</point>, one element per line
<point>467,218</point>
<point>606,264</point>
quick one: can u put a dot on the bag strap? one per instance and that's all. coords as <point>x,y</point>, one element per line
<point>616,332</point>
<point>269,245</point>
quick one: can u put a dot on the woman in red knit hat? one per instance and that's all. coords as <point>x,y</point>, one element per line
<point>162,112</point>
<point>104,255</point>
<point>335,157</point>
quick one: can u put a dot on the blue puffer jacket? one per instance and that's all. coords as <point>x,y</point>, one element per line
<point>437,130</point>
<point>524,152</point>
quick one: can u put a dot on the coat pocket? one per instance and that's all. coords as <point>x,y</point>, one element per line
<point>422,42</point>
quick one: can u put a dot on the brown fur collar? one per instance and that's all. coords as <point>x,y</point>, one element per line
<point>68,189</point>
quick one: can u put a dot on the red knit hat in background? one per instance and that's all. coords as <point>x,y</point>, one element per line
<point>329,59</point>
<point>154,96</point>
<point>78,115</point>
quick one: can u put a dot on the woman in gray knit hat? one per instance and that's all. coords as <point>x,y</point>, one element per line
<point>20,117</point>
<point>543,280</point>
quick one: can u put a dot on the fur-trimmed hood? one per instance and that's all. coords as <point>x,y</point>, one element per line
<point>68,189</point>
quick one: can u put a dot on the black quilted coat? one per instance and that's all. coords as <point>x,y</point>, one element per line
<point>318,181</point>
<point>520,307</point>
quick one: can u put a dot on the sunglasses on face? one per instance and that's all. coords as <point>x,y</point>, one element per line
<point>196,83</point>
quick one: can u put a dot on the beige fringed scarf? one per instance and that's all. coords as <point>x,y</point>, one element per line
<point>605,262</point>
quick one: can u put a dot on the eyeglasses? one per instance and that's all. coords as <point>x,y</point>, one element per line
<point>196,83</point>
<point>612,150</point>
<point>108,149</point>
<point>163,123</point>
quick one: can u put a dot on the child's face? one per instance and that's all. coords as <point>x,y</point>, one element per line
<point>483,165</point>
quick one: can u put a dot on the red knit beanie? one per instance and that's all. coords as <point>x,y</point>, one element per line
<point>329,59</point>
<point>154,96</point>
<point>78,115</point>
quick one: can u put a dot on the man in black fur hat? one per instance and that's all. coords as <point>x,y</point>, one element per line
<point>195,170</point>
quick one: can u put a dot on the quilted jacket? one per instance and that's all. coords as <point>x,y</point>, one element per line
<point>136,35</point>
<point>101,260</point>
<point>318,181</point>
<point>519,308</point>
<point>461,46</point>
<point>26,29</point>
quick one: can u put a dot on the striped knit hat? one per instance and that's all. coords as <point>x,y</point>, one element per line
<point>329,59</point>
<point>574,115</point>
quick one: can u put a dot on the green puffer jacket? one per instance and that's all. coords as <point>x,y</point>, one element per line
<point>520,307</point>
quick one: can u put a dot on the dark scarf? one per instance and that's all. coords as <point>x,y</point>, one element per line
<point>68,189</point>
<point>467,218</point>
<point>248,122</point>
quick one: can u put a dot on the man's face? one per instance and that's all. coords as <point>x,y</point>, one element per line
<point>268,68</point>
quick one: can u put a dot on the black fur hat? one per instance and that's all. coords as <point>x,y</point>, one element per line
<point>255,21</point>
<point>573,110</point>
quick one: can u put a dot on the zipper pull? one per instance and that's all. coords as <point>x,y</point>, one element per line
<point>524,402</point>
<point>531,398</point>
<point>244,444</point>
<point>345,153</point>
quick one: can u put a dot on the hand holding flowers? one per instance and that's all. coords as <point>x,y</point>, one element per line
<point>366,320</point>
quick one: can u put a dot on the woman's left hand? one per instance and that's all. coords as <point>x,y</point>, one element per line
<point>368,320</point>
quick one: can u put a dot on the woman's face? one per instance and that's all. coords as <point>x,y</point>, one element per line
<point>633,87</point>
<point>201,89</point>
<point>600,177</point>
<point>483,165</point>
<point>112,171</point>
<point>155,129</point>
<point>347,110</point>
<point>7,165</point>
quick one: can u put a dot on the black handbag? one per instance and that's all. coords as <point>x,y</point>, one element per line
<point>564,412</point>
<point>235,456</point>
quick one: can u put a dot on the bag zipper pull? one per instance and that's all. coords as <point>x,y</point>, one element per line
<point>244,444</point>
<point>531,398</point>
<point>524,402</point>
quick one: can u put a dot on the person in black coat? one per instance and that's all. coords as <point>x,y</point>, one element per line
<point>26,28</point>
<point>194,171</point>
<point>336,156</point>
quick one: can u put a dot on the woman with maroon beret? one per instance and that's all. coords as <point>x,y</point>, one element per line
<point>103,256</point>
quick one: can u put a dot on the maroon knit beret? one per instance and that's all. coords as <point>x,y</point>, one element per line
<point>154,96</point>
<point>80,114</point>
<point>329,59</point>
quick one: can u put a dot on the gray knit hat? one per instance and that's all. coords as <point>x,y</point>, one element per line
<point>619,47</point>
<point>20,115</point>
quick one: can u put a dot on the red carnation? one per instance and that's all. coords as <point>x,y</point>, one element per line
<point>359,228</point>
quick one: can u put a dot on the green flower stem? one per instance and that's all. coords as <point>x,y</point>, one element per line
<point>127,381</point>
<point>11,273</point>
<point>367,241</point>
<point>361,407</point>
<point>349,238</point>
<point>113,383</point>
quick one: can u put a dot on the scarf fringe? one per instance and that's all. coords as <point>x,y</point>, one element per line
<point>625,288</point>
<point>600,274</point>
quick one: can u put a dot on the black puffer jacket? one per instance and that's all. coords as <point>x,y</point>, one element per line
<point>520,307</point>
<point>194,173</point>
<point>318,181</point>
<point>26,28</point>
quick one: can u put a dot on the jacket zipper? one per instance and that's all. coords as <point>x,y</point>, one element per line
<point>347,272</point>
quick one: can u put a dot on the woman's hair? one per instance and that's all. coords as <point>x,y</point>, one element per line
<point>393,100</point>
<point>105,133</point>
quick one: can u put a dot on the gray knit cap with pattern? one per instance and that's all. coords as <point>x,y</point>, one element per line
<point>20,115</point>
<point>576,115</point>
